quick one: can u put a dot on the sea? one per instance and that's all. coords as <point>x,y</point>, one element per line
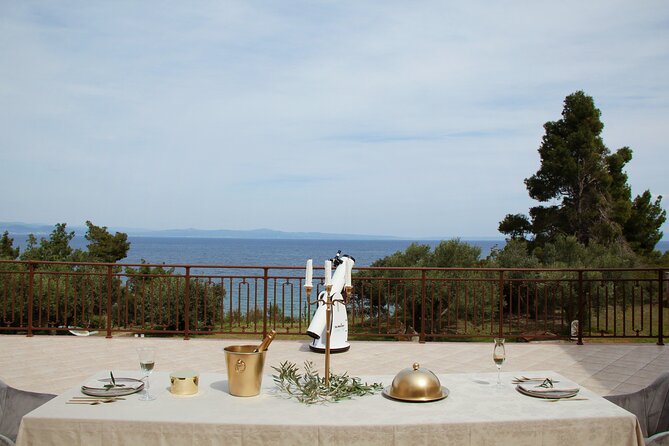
<point>269,252</point>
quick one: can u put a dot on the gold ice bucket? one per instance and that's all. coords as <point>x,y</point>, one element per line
<point>244,369</point>
<point>184,382</point>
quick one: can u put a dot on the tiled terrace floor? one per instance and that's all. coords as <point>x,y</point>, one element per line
<point>56,363</point>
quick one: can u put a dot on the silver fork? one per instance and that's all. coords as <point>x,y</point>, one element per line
<point>91,402</point>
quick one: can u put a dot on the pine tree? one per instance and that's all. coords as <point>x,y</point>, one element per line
<point>103,246</point>
<point>7,250</point>
<point>585,187</point>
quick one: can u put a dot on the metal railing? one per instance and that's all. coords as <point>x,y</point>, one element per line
<point>386,303</point>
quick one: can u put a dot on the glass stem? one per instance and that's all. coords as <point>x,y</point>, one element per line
<point>147,386</point>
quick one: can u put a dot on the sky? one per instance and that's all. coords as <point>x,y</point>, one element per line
<point>404,118</point>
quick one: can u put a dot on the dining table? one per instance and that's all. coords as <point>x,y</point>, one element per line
<point>477,411</point>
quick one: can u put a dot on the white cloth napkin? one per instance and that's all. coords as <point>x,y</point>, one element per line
<point>541,390</point>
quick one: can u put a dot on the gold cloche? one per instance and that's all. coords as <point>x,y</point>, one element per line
<point>416,385</point>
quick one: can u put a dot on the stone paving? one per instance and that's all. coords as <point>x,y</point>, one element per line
<point>56,363</point>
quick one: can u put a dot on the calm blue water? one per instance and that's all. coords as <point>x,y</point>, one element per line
<point>271,252</point>
<point>268,252</point>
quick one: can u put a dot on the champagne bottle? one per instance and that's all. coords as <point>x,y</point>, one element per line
<point>265,342</point>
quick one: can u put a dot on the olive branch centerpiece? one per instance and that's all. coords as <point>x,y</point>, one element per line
<point>310,388</point>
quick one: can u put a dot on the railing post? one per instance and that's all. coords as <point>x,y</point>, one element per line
<point>500,333</point>
<point>660,334</point>
<point>187,304</point>
<point>580,308</point>
<point>31,276</point>
<point>423,293</point>
<point>265,309</point>
<point>109,301</point>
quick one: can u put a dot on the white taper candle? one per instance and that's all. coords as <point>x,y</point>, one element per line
<point>328,272</point>
<point>310,273</point>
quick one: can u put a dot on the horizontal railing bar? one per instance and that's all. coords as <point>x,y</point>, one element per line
<point>301,267</point>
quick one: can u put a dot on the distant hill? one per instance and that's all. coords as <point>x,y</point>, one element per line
<point>27,228</point>
<point>41,229</point>
<point>262,233</point>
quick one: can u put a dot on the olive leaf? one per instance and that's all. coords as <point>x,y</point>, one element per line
<point>548,383</point>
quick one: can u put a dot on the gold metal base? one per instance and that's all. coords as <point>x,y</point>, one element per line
<point>332,350</point>
<point>184,382</point>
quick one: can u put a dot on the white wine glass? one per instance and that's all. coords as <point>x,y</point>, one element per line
<point>498,356</point>
<point>147,359</point>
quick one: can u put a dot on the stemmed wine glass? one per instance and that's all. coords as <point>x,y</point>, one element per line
<point>147,358</point>
<point>499,355</point>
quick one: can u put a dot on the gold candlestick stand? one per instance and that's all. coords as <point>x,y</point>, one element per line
<point>328,325</point>
<point>328,332</point>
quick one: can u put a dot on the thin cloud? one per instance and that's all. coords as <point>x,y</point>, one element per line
<point>267,106</point>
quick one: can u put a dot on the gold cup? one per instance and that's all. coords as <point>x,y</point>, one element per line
<point>244,367</point>
<point>184,382</point>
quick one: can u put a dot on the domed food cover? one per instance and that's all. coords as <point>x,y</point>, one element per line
<point>416,385</point>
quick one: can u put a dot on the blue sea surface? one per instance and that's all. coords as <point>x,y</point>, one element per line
<point>270,252</point>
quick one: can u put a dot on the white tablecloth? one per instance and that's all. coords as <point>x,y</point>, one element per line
<point>477,412</point>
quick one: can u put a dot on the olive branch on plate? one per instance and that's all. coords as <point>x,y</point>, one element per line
<point>113,382</point>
